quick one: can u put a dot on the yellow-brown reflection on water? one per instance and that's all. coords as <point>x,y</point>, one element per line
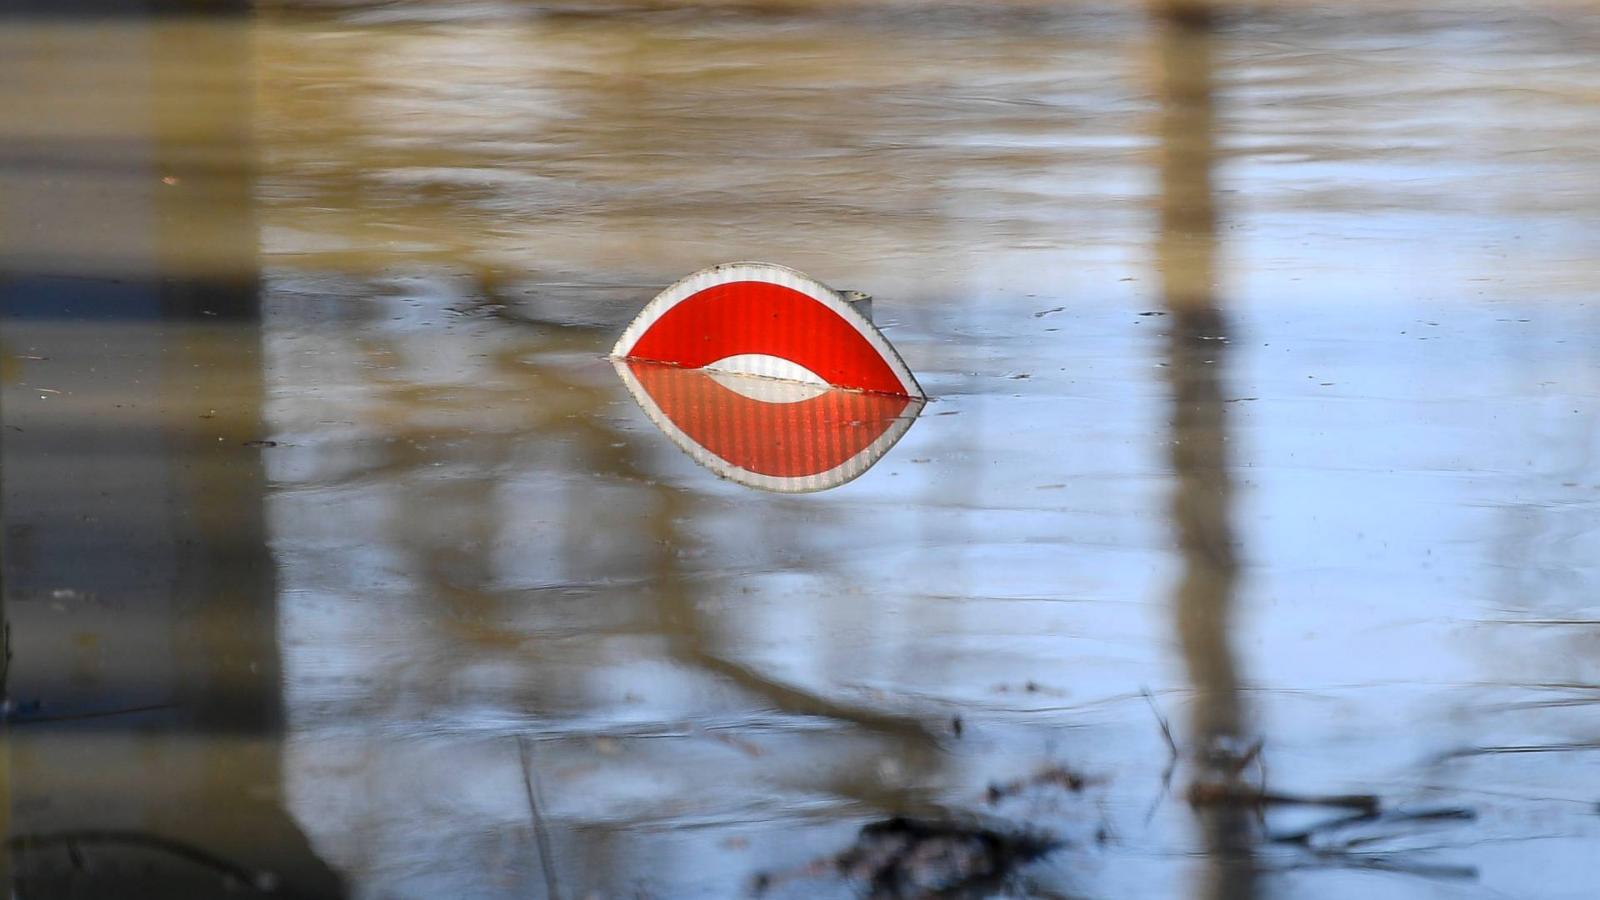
<point>525,648</point>
<point>143,702</point>
<point>126,143</point>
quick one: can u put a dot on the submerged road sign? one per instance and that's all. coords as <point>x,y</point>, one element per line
<point>768,377</point>
<point>771,434</point>
<point>770,322</point>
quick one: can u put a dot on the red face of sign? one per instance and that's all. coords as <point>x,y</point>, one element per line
<point>768,321</point>
<point>767,377</point>
<point>768,434</point>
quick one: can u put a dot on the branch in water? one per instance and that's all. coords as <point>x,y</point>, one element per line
<point>260,881</point>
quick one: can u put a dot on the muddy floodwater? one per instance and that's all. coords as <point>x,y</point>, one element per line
<point>1247,547</point>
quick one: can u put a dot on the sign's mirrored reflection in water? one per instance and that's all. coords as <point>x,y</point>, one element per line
<point>783,436</point>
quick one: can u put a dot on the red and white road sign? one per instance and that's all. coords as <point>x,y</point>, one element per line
<point>768,321</point>
<point>775,435</point>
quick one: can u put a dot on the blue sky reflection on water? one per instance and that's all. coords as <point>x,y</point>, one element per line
<point>1409,398</point>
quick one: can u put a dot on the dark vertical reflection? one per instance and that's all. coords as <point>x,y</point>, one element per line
<point>5,699</point>
<point>143,741</point>
<point>1196,355</point>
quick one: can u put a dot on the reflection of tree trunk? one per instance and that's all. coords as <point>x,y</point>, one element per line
<point>1187,248</point>
<point>137,574</point>
<point>691,640</point>
<point>905,739</point>
<point>1196,353</point>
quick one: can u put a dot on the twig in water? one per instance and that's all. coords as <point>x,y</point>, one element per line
<point>1166,730</point>
<point>540,836</point>
<point>1306,836</point>
<point>71,841</point>
<point>1059,776</point>
<point>1172,758</point>
<point>748,748</point>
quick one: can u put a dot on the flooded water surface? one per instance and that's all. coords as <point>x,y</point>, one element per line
<point>1245,547</point>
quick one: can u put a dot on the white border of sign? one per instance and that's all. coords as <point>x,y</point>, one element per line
<point>846,471</point>
<point>771,274</point>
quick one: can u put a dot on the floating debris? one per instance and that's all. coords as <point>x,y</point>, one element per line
<point>906,859</point>
<point>1055,776</point>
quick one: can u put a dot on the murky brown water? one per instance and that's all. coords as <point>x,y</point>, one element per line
<point>338,561</point>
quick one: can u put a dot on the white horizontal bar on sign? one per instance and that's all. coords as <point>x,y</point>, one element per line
<point>763,365</point>
<point>767,390</point>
